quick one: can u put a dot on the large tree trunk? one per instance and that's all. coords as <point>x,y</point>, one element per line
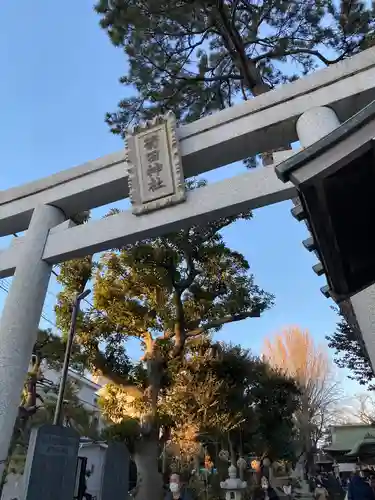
<point>147,451</point>
<point>306,434</point>
<point>252,77</point>
<point>149,479</point>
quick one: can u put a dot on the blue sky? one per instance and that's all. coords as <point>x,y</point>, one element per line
<point>59,77</point>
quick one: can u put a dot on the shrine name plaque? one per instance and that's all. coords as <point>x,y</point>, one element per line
<point>156,178</point>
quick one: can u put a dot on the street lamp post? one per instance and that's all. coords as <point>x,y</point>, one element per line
<point>68,350</point>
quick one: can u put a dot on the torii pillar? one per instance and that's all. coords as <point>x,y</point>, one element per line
<point>20,318</point>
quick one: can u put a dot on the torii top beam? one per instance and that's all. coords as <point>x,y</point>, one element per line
<point>258,125</point>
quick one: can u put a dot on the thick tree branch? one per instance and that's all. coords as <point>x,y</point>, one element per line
<point>179,326</point>
<point>223,321</point>
<point>184,284</point>
<point>180,287</point>
<point>100,365</point>
<point>149,344</point>
<point>217,323</point>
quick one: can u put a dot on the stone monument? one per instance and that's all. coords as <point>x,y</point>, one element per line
<point>51,463</point>
<point>115,482</point>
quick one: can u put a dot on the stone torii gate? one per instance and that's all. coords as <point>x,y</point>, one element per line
<point>305,110</point>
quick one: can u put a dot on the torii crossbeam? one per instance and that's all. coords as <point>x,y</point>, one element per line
<point>305,110</point>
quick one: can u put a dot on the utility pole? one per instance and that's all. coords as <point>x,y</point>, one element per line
<point>68,351</point>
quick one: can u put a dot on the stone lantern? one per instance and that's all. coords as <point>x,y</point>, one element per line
<point>335,178</point>
<point>233,486</point>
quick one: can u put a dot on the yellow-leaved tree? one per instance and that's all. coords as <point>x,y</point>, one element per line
<point>294,351</point>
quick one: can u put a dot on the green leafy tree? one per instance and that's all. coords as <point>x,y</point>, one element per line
<point>219,397</point>
<point>194,57</point>
<point>233,398</point>
<point>351,353</point>
<point>163,292</point>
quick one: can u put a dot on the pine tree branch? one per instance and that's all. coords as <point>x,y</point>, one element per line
<point>193,77</point>
<point>275,54</point>
<point>234,10</point>
<point>236,49</point>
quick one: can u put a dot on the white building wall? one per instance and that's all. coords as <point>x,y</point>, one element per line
<point>95,454</point>
<point>87,390</point>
